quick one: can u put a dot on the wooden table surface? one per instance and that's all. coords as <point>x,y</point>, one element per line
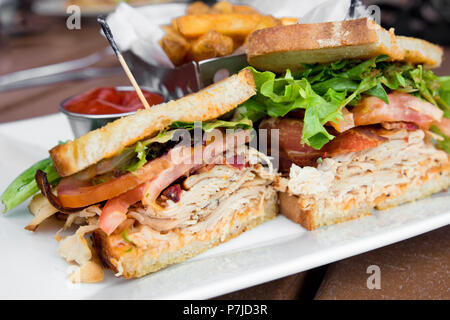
<point>416,268</point>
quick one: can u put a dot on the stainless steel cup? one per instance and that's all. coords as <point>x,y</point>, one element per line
<point>83,123</point>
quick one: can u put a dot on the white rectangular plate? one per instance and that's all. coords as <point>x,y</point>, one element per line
<point>31,269</point>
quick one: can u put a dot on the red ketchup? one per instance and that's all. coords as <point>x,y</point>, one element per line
<point>110,101</point>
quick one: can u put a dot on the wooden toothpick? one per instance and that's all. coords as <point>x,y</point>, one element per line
<point>107,31</point>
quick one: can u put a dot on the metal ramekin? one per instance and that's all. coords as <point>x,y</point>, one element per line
<point>83,123</point>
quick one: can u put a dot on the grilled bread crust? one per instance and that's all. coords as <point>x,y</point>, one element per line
<point>108,141</point>
<point>139,262</point>
<point>287,47</point>
<point>418,51</point>
<point>434,180</point>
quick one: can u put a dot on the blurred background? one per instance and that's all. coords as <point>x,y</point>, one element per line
<point>34,33</point>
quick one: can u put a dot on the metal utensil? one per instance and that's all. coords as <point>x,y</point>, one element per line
<point>188,78</point>
<point>50,70</point>
<point>61,77</point>
<point>172,83</point>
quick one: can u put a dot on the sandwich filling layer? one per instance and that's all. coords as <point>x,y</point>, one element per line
<point>353,134</point>
<point>196,206</point>
<point>214,202</point>
<point>366,177</point>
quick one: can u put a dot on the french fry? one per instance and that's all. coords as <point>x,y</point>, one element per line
<point>174,25</point>
<point>198,7</point>
<point>238,41</point>
<point>233,25</point>
<point>222,7</point>
<point>210,45</point>
<point>170,30</point>
<point>287,21</point>
<point>175,46</point>
<point>207,32</point>
<point>267,22</point>
<point>244,9</point>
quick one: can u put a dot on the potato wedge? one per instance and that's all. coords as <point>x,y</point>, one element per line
<point>171,30</point>
<point>175,46</point>
<point>267,22</point>
<point>198,7</point>
<point>207,32</point>
<point>222,7</point>
<point>244,9</point>
<point>233,25</point>
<point>211,45</point>
<point>287,21</point>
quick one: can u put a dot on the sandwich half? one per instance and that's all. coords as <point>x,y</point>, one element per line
<point>158,187</point>
<point>362,121</point>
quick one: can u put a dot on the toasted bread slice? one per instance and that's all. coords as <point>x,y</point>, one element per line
<point>323,214</point>
<point>105,142</point>
<point>418,51</point>
<point>138,262</point>
<point>287,47</point>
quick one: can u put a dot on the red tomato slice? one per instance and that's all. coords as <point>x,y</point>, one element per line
<point>291,150</point>
<point>115,210</point>
<point>72,195</point>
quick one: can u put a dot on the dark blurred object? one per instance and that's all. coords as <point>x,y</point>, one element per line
<point>16,18</point>
<point>8,10</point>
<point>425,19</point>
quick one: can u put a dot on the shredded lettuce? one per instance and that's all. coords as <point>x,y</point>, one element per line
<point>322,90</point>
<point>209,126</point>
<point>443,97</point>
<point>125,237</point>
<point>141,154</point>
<point>149,149</point>
<point>443,144</point>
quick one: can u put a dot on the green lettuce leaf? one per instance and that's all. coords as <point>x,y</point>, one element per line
<point>251,109</point>
<point>141,151</point>
<point>444,144</point>
<point>359,71</point>
<point>322,90</point>
<point>337,84</point>
<point>208,126</point>
<point>150,148</point>
<point>24,186</point>
<point>322,102</point>
<point>379,92</point>
<point>443,97</point>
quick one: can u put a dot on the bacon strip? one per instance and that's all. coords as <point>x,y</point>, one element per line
<point>399,125</point>
<point>444,126</point>
<point>347,123</point>
<point>401,107</point>
<point>210,154</point>
<point>353,140</point>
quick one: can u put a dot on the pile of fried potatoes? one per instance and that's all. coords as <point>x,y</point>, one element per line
<point>207,32</point>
